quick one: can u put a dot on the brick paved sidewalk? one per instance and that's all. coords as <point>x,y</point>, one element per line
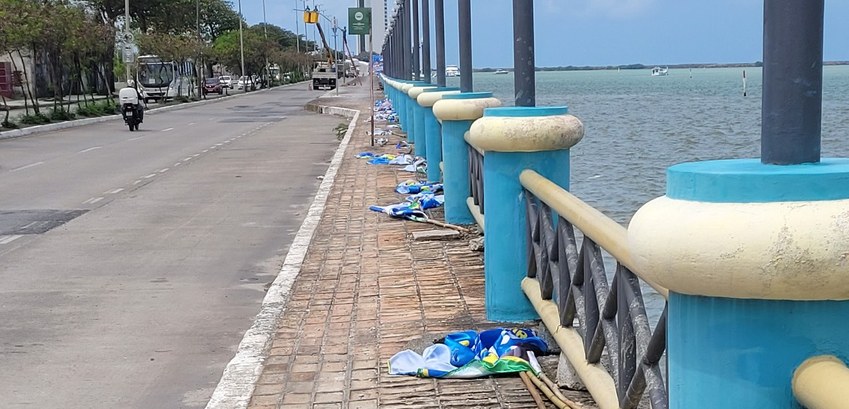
<point>367,291</point>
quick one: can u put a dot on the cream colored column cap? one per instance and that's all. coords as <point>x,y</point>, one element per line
<point>460,108</point>
<point>795,250</point>
<point>525,129</point>
<point>415,91</point>
<point>427,99</point>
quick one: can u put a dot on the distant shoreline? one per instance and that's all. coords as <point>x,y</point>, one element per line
<point>756,64</point>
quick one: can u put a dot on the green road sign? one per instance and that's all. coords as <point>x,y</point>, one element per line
<point>359,20</point>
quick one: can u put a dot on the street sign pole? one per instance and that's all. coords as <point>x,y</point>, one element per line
<point>359,22</point>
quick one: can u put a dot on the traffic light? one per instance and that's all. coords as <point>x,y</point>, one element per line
<point>311,16</point>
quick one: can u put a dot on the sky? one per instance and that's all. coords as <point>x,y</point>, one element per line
<point>599,32</point>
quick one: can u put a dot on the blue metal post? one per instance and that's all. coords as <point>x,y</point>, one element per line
<point>524,65</point>
<point>417,68</point>
<point>464,14</point>
<point>439,27</point>
<point>426,40</point>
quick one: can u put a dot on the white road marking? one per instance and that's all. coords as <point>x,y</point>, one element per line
<point>93,200</point>
<point>191,123</point>
<point>136,138</point>
<point>163,170</point>
<point>89,149</point>
<point>150,176</point>
<point>137,181</point>
<point>187,159</point>
<point>177,164</point>
<point>167,129</point>
<point>9,239</point>
<point>196,155</point>
<point>28,225</point>
<point>205,150</point>
<point>27,166</point>
<point>116,191</point>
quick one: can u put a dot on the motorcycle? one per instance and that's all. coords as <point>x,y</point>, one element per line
<point>131,110</point>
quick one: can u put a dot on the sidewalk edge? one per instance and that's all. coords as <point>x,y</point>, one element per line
<point>236,387</point>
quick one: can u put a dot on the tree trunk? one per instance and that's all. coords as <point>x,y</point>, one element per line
<point>35,106</point>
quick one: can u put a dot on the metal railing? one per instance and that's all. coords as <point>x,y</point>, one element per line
<point>476,177</point>
<point>613,326</point>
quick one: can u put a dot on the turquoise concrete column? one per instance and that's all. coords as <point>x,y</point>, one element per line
<point>457,112</point>
<point>406,107</point>
<point>432,129</point>
<point>418,119</point>
<point>514,139</point>
<point>756,258</point>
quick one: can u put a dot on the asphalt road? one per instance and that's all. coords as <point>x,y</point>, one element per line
<point>131,263</point>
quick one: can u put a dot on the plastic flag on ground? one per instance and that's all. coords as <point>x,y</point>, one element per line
<point>470,354</point>
<point>414,186</point>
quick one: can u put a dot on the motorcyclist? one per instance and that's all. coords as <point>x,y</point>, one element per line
<point>140,102</point>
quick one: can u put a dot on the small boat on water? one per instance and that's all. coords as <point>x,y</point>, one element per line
<point>452,71</point>
<point>659,72</point>
<point>502,72</point>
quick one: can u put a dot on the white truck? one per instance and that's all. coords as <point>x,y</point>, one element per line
<point>324,76</point>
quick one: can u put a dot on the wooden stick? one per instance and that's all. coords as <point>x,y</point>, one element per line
<point>561,404</point>
<point>532,390</point>
<point>449,226</point>
<point>554,388</point>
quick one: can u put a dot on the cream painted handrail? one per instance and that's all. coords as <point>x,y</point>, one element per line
<point>608,234</point>
<point>822,382</point>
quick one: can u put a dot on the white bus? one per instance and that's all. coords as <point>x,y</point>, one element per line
<point>160,80</point>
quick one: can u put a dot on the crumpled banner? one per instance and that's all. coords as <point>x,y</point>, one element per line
<point>413,207</point>
<point>412,186</point>
<point>469,354</point>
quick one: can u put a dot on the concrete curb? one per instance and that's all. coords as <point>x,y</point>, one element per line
<point>17,133</point>
<point>236,387</point>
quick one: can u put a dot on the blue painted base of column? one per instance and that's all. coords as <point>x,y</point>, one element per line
<point>401,109</point>
<point>412,134</point>
<point>505,257</point>
<point>720,358</point>
<point>420,148</point>
<point>455,177</point>
<point>433,144</point>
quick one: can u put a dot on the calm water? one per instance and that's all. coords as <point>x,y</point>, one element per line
<point>638,125</point>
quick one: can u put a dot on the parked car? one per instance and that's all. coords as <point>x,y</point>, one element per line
<point>245,81</point>
<point>212,85</point>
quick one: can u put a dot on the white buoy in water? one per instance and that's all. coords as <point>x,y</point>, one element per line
<point>744,83</point>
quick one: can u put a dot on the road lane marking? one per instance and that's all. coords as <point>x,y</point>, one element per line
<point>167,129</point>
<point>196,155</point>
<point>93,200</point>
<point>137,181</point>
<point>118,190</point>
<point>187,159</point>
<point>191,123</point>
<point>9,239</point>
<point>177,164</point>
<point>27,166</point>
<point>205,150</point>
<point>150,176</point>
<point>28,225</point>
<point>89,149</point>
<point>136,138</point>
<point>163,170</point>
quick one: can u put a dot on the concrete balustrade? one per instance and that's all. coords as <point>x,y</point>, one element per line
<point>456,112</point>
<point>515,139</point>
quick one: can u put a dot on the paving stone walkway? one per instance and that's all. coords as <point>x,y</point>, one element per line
<point>367,291</point>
